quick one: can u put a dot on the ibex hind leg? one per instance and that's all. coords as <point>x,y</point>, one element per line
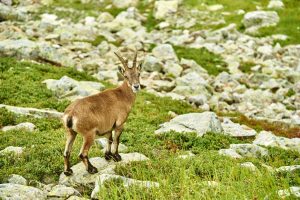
<point>115,153</point>
<point>108,154</point>
<point>71,135</point>
<point>88,140</point>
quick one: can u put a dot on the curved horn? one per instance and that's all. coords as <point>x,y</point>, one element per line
<point>134,59</point>
<point>124,62</point>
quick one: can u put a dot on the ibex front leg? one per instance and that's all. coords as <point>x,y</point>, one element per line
<point>108,154</point>
<point>115,154</point>
<point>88,140</point>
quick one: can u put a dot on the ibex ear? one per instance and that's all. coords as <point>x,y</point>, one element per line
<point>139,67</point>
<point>121,70</point>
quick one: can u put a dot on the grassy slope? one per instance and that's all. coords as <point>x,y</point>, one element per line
<point>42,159</point>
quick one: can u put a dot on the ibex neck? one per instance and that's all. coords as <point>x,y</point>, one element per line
<point>128,91</point>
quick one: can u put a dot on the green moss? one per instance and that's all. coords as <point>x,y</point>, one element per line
<point>211,62</point>
<point>290,93</point>
<point>6,117</point>
<point>246,66</point>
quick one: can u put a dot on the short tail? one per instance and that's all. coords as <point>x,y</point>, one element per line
<point>69,122</point>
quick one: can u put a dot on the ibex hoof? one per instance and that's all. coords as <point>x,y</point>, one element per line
<point>116,157</point>
<point>69,172</point>
<point>108,155</point>
<point>92,169</point>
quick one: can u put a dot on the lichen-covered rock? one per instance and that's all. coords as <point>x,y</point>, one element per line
<point>17,179</point>
<point>27,126</point>
<point>200,123</point>
<point>82,177</point>
<point>126,182</point>
<point>152,64</point>
<point>249,150</point>
<point>16,191</point>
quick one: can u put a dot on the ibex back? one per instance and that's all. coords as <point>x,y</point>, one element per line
<point>100,114</point>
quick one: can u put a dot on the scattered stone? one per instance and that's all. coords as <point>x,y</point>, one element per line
<point>39,113</point>
<point>163,9</point>
<point>62,191</point>
<point>211,184</point>
<point>11,13</point>
<point>126,183</point>
<point>276,4</point>
<point>200,123</point>
<point>290,169</point>
<point>172,68</point>
<point>237,130</point>
<point>102,142</point>
<point>249,150</point>
<point>164,52</point>
<point>230,153</point>
<point>268,139</point>
<point>71,89</point>
<point>249,165</point>
<point>16,191</point>
<point>12,150</point>
<point>27,126</point>
<point>295,191</point>
<point>17,179</point>
<point>152,64</point>
<point>215,7</point>
<point>186,155</point>
<point>22,48</point>
<point>124,3</point>
<point>258,19</point>
<point>81,177</point>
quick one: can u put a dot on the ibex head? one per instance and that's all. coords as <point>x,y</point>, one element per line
<point>131,74</point>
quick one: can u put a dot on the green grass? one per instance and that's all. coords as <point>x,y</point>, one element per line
<point>211,62</point>
<point>179,179</point>
<point>245,67</point>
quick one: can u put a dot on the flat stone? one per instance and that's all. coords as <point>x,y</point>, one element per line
<point>237,130</point>
<point>230,153</point>
<point>290,169</point>
<point>12,150</point>
<point>200,123</point>
<point>163,9</point>
<point>16,191</point>
<point>62,191</point>
<point>27,126</point>
<point>249,150</point>
<point>101,179</point>
<point>17,179</point>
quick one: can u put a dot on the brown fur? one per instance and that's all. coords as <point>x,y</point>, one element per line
<point>100,114</point>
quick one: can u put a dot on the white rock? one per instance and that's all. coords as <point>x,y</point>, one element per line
<point>163,9</point>
<point>200,123</point>
<point>39,113</point>
<point>151,64</point>
<point>172,68</point>
<point>249,165</point>
<point>186,155</point>
<point>12,150</point>
<point>215,7</point>
<point>249,150</point>
<point>164,52</point>
<point>126,183</point>
<point>276,4</point>
<point>191,64</point>
<point>295,191</point>
<point>229,152</point>
<point>22,126</point>
<point>16,191</point>
<point>265,138</point>
<point>237,130</point>
<point>290,169</point>
<point>257,19</point>
<point>81,177</point>
<point>62,191</point>
<point>124,3</point>
<point>17,179</point>
<point>102,142</point>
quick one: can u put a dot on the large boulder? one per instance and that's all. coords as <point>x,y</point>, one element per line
<point>16,191</point>
<point>71,89</point>
<point>255,20</point>
<point>163,9</point>
<point>81,177</point>
<point>126,183</point>
<point>268,139</point>
<point>200,123</point>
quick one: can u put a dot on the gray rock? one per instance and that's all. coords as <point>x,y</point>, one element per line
<point>21,48</point>
<point>152,64</point>
<point>108,75</point>
<point>267,139</point>
<point>230,153</point>
<point>12,150</point>
<point>82,178</point>
<point>237,130</point>
<point>163,9</point>
<point>186,155</point>
<point>124,3</point>
<point>276,4</point>
<point>172,68</point>
<point>290,169</point>
<point>16,191</point>
<point>215,7</point>
<point>11,13</point>
<point>191,65</point>
<point>126,183</point>
<point>6,2</point>
<point>39,113</point>
<point>17,179</point>
<point>102,142</point>
<point>200,123</point>
<point>294,191</point>
<point>161,85</point>
<point>62,191</point>
<point>22,126</point>
<point>258,19</point>
<point>164,52</point>
<point>249,165</point>
<point>71,89</point>
<point>249,150</point>
<point>77,198</point>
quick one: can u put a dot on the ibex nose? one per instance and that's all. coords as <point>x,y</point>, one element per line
<point>136,86</point>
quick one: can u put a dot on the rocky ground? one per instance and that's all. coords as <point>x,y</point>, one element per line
<point>212,90</point>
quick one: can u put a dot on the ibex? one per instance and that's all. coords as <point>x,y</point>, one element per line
<point>99,115</point>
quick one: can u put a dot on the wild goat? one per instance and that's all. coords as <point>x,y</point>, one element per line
<point>99,115</point>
